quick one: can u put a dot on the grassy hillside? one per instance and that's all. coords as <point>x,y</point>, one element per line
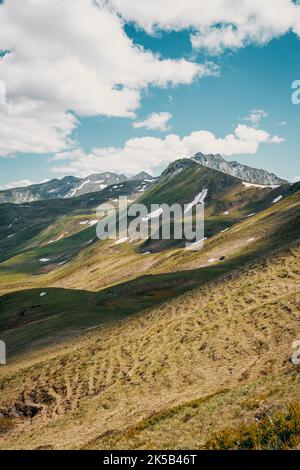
<point>186,374</point>
<point>109,347</point>
<point>56,231</point>
<point>228,200</point>
<point>24,225</point>
<point>124,281</point>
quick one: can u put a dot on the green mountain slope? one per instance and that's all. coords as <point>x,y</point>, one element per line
<point>118,349</point>
<point>125,281</point>
<point>206,362</point>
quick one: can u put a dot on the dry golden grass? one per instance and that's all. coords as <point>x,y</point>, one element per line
<point>280,430</point>
<point>167,378</point>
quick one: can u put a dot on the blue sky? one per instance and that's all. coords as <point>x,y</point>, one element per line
<point>252,77</point>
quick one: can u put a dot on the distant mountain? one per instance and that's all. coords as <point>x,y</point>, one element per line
<point>71,186</point>
<point>178,166</point>
<point>50,190</point>
<point>94,183</point>
<point>243,172</point>
<point>64,188</point>
<point>143,175</point>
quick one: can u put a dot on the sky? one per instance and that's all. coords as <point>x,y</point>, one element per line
<point>88,86</point>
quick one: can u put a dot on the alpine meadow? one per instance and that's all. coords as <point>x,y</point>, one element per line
<point>136,338</point>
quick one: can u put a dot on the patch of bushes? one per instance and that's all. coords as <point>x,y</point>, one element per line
<point>280,431</point>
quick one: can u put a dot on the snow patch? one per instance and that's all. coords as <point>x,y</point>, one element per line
<point>89,222</point>
<point>193,245</point>
<point>121,240</point>
<point>56,240</point>
<point>74,191</point>
<point>253,185</point>
<point>93,222</point>
<point>277,199</point>
<point>199,199</point>
<point>82,185</point>
<point>153,215</point>
<point>70,194</point>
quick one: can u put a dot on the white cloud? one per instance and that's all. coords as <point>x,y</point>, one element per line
<point>17,184</point>
<point>21,184</point>
<point>34,126</point>
<point>73,55</point>
<point>255,116</point>
<point>218,24</point>
<point>276,140</point>
<point>149,153</point>
<point>250,134</point>
<point>155,121</point>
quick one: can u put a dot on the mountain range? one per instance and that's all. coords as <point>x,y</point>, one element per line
<point>67,187</point>
<point>243,172</point>
<point>70,186</point>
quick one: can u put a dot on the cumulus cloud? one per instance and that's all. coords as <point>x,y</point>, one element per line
<point>255,116</point>
<point>17,184</point>
<point>155,121</point>
<point>68,58</point>
<point>295,179</point>
<point>34,126</point>
<point>73,56</point>
<point>149,153</point>
<point>21,184</point>
<point>218,24</point>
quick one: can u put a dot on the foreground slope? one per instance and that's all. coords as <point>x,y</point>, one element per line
<point>216,357</point>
